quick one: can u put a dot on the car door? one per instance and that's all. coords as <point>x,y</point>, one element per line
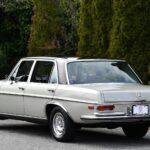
<point>41,88</point>
<point>11,97</point>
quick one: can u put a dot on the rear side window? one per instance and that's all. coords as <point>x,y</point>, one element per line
<point>42,72</point>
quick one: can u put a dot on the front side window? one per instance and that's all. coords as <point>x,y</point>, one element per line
<point>21,74</point>
<point>42,72</point>
<point>100,72</point>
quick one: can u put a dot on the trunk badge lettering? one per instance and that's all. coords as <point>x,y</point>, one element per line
<point>138,94</point>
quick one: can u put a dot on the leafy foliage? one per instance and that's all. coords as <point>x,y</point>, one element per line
<point>71,23</point>
<point>86,29</point>
<point>54,27</point>
<point>106,28</point>
<point>130,35</point>
<point>14,31</point>
<point>117,29</point>
<point>94,28</point>
<point>102,14</point>
<point>9,5</point>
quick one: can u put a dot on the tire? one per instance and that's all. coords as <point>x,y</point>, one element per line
<point>135,131</point>
<point>61,126</point>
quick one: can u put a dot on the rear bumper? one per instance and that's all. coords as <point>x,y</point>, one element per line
<point>118,120</point>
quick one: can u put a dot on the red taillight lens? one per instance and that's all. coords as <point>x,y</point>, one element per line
<point>91,107</point>
<point>105,107</point>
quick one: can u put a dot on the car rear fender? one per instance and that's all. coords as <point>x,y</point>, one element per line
<point>51,105</point>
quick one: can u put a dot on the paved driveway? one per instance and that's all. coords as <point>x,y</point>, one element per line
<point>19,135</point>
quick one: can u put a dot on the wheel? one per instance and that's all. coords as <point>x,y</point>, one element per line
<point>135,131</point>
<point>62,127</point>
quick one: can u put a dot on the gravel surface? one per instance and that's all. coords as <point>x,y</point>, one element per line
<point>20,135</point>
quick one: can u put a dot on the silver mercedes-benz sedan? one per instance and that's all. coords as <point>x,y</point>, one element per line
<point>70,93</point>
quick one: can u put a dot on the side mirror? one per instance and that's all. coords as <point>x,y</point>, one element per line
<point>12,78</point>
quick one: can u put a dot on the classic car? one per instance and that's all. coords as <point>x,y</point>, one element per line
<point>70,93</point>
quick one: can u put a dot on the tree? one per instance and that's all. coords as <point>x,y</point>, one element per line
<point>94,29</point>
<point>14,32</point>
<point>102,21</point>
<point>86,29</point>
<point>71,24</point>
<point>130,35</point>
<point>54,27</point>
<point>43,38</point>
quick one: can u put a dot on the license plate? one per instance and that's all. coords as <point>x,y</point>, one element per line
<point>140,110</point>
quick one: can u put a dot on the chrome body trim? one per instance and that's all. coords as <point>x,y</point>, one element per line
<point>127,102</point>
<point>50,97</point>
<point>110,114</point>
<point>116,118</point>
<point>24,118</point>
<point>74,100</point>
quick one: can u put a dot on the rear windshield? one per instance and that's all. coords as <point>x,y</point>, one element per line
<point>100,72</point>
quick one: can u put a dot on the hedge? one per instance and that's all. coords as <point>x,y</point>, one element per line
<point>130,35</point>
<point>94,28</point>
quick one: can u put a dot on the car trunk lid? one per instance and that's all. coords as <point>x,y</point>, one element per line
<point>121,92</point>
<point>126,93</point>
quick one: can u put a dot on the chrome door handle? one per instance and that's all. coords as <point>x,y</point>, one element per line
<point>21,88</point>
<point>50,90</point>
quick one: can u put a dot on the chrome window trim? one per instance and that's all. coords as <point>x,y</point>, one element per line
<point>66,72</point>
<point>94,60</point>
<point>17,67</point>
<point>31,71</point>
<point>62,72</point>
<point>135,74</point>
<point>14,69</point>
<point>32,68</point>
<point>46,60</point>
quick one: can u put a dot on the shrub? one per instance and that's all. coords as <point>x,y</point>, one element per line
<point>94,28</point>
<point>14,31</point>
<point>130,35</point>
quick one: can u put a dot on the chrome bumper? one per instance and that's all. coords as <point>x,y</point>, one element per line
<point>115,117</point>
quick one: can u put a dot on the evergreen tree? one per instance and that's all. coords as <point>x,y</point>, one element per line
<point>95,25</point>
<point>130,35</point>
<point>86,29</point>
<point>54,27</point>
<point>70,23</point>
<point>15,20</point>
<point>45,28</point>
<point>102,21</point>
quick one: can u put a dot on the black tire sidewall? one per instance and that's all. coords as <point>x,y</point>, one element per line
<point>69,126</point>
<point>136,131</point>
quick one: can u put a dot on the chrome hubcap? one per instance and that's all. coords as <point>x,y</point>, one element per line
<point>58,125</point>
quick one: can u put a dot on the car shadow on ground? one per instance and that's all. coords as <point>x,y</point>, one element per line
<point>92,137</point>
<point>108,138</point>
<point>30,129</point>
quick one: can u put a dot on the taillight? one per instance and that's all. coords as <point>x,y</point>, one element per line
<point>91,107</point>
<point>105,107</point>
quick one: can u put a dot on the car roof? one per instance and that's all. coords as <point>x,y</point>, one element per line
<point>70,59</point>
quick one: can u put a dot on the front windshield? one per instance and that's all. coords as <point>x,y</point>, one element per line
<point>84,72</point>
